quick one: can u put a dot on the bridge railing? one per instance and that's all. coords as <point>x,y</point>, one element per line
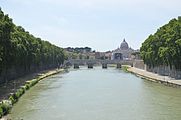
<point>98,61</point>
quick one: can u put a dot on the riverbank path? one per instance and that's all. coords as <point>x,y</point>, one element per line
<point>154,76</point>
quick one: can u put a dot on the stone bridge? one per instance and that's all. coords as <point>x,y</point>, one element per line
<point>91,62</point>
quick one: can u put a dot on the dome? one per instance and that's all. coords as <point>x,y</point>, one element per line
<point>124,45</point>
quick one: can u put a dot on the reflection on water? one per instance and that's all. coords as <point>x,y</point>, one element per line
<point>98,94</point>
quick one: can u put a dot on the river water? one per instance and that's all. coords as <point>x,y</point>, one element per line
<point>98,94</point>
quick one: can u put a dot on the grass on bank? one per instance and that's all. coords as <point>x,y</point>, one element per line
<point>125,68</point>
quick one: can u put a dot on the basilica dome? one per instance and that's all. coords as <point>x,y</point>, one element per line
<point>124,45</point>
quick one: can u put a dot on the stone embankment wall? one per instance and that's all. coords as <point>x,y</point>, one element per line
<point>18,71</point>
<point>139,64</point>
<point>165,70</point>
<point>161,70</point>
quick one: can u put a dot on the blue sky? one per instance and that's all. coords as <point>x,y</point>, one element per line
<point>100,24</point>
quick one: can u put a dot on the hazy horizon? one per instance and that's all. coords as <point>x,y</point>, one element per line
<point>99,24</point>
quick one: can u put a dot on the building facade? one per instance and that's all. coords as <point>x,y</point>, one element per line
<point>124,52</point>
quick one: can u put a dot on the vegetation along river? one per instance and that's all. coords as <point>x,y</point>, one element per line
<point>98,94</point>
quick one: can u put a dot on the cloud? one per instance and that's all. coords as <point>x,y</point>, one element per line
<point>107,3</point>
<point>104,5</point>
<point>99,24</point>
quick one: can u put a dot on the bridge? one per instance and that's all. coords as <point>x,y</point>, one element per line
<point>91,62</point>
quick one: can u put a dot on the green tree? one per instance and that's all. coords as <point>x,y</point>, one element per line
<point>164,47</point>
<point>22,50</point>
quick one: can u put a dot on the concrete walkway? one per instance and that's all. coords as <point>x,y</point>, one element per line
<point>155,77</point>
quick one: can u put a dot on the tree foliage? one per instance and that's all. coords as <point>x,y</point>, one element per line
<point>164,47</point>
<point>19,48</point>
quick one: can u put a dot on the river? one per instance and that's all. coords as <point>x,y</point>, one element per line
<point>98,94</point>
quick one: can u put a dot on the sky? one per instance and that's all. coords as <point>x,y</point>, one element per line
<point>99,24</point>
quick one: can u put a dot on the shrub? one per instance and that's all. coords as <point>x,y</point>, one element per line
<point>5,107</point>
<point>1,112</point>
<point>11,98</point>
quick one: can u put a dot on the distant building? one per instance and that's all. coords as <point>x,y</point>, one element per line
<point>99,55</point>
<point>108,55</point>
<point>124,52</point>
<point>79,49</point>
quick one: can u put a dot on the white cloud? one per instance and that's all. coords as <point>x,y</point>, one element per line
<point>99,3</point>
<point>99,24</point>
<point>113,3</point>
